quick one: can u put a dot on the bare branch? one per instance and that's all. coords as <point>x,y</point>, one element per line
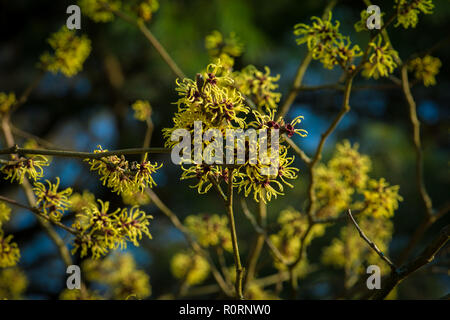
<point>370,242</point>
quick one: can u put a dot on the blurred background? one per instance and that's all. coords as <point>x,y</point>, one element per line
<point>93,108</point>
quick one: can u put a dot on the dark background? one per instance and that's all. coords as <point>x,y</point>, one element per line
<point>94,108</point>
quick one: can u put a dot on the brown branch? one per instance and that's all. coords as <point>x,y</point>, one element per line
<point>80,154</point>
<point>39,214</point>
<point>423,259</point>
<point>370,242</point>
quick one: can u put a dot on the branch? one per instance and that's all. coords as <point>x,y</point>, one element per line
<point>38,213</point>
<point>79,154</point>
<point>151,38</point>
<point>232,226</point>
<point>194,245</point>
<point>297,149</point>
<point>370,242</point>
<point>426,257</point>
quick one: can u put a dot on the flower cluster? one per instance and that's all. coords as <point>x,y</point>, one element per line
<point>99,10</point>
<point>9,251</point>
<point>288,239</point>
<point>121,176</point>
<point>119,272</point>
<point>258,86</point>
<point>5,213</point>
<point>189,267</point>
<point>13,283</point>
<point>146,9</point>
<point>408,11</point>
<point>136,198</point>
<point>326,43</point>
<point>7,100</point>
<point>100,231</point>
<point>425,69</point>
<point>51,202</point>
<point>224,48</point>
<point>80,201</point>
<point>345,179</point>
<point>142,110</point>
<point>30,167</point>
<point>212,101</point>
<point>381,199</point>
<point>70,52</point>
<point>382,61</point>
<point>210,230</point>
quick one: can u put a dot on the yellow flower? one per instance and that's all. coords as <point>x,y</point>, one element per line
<point>80,201</point>
<point>381,200</point>
<point>258,86</point>
<point>70,52</point>
<point>351,165</point>
<point>408,11</point>
<point>326,43</point>
<point>288,239</point>
<point>101,231</point>
<point>13,283</point>
<point>5,213</point>
<point>50,201</point>
<point>75,294</point>
<point>333,194</point>
<point>7,100</point>
<point>142,110</point>
<point>210,230</point>
<point>381,62</point>
<point>30,167</point>
<point>189,267</point>
<point>121,176</point>
<point>147,8</point>
<point>97,9</point>
<point>9,251</point>
<point>136,198</point>
<point>226,49</point>
<point>425,69</point>
<point>120,274</point>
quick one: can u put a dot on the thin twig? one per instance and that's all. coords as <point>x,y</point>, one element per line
<point>370,242</point>
<point>234,241</point>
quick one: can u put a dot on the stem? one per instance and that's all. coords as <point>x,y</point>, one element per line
<point>147,138</point>
<point>151,38</point>
<point>317,156</point>
<point>38,214</point>
<point>257,246</point>
<point>370,242</point>
<point>237,259</point>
